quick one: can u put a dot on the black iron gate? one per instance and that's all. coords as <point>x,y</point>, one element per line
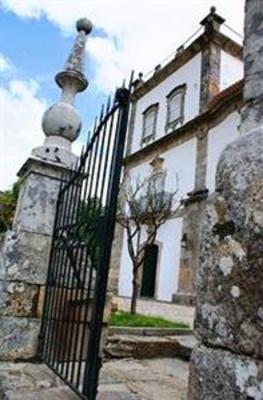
<point>72,320</point>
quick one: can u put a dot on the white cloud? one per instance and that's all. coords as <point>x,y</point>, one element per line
<point>138,33</point>
<point>5,64</point>
<point>20,130</point>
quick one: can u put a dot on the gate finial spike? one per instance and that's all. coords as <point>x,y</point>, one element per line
<point>95,124</point>
<point>101,112</point>
<point>108,104</point>
<point>131,80</point>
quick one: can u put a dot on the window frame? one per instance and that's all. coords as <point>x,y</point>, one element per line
<point>145,140</point>
<point>178,90</point>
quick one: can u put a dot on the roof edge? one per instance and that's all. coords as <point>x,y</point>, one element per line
<point>182,57</point>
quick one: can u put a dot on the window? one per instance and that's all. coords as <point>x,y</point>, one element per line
<point>149,123</point>
<point>175,107</point>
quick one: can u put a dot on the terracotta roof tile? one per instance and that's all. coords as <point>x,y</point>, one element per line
<point>221,96</point>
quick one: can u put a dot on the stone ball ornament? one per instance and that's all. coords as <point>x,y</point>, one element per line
<point>63,120</point>
<point>84,24</point>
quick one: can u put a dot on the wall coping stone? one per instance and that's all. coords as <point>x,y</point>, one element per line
<point>35,165</point>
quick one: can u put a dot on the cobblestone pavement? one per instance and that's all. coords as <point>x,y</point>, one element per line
<point>120,380</point>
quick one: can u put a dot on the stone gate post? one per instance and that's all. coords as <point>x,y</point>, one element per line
<point>25,253</point>
<point>228,362</point>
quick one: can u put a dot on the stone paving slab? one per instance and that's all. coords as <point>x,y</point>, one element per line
<point>120,380</point>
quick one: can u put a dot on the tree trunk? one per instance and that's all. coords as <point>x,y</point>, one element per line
<point>135,291</point>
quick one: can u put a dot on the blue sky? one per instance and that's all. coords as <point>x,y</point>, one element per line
<point>35,40</point>
<point>38,50</point>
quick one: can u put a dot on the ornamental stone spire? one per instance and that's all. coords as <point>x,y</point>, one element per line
<point>61,122</point>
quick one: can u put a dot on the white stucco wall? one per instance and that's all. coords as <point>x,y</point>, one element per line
<point>125,274</point>
<point>178,161</point>
<point>232,70</point>
<point>218,138</point>
<point>189,74</point>
<point>169,258</point>
<point>168,262</point>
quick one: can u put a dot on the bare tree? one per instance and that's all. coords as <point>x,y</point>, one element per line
<point>143,207</point>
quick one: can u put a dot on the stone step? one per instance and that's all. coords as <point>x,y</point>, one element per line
<point>144,347</point>
<point>140,331</point>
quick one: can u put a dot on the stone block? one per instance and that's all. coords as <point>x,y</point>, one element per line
<point>186,277</point>
<point>18,338</point>
<point>36,206</point>
<point>252,114</point>
<point>239,178</point>
<point>229,286</point>
<point>184,299</point>
<point>217,374</point>
<point>229,280</point>
<point>18,299</point>
<point>25,257</point>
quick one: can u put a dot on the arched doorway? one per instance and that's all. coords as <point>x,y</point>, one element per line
<point>149,271</point>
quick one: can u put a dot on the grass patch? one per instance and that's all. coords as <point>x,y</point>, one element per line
<point>122,318</point>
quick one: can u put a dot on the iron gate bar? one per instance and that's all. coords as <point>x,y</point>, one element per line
<point>77,278</point>
<point>93,365</point>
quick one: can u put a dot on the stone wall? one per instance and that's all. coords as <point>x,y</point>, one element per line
<point>24,260</point>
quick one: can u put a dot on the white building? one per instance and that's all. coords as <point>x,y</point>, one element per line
<point>183,115</point>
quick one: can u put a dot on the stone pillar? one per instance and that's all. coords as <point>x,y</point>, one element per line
<point>25,253</point>
<point>190,247</point>
<point>191,233</point>
<point>228,362</point>
<point>210,63</point>
<point>115,261</point>
<point>25,256</point>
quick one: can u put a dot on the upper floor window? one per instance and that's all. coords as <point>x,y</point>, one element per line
<point>175,107</point>
<point>149,123</point>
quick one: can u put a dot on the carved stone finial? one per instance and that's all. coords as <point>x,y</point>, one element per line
<point>213,10</point>
<point>84,24</point>
<point>75,65</point>
<point>63,119</point>
<point>157,163</point>
<point>212,21</point>
<point>61,123</point>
